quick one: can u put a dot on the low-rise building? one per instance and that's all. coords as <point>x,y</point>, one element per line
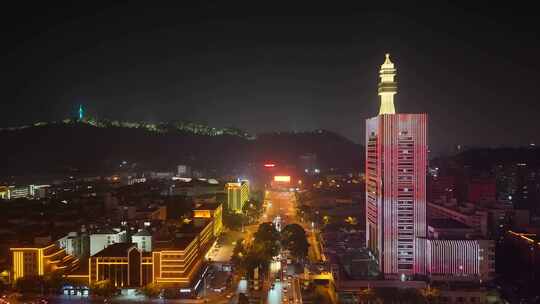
<point>460,260</point>
<point>143,240</point>
<point>210,210</point>
<point>448,229</point>
<point>175,261</point>
<point>195,187</point>
<point>20,192</point>
<point>76,244</point>
<point>123,264</point>
<point>31,261</point>
<point>467,214</point>
<point>102,238</point>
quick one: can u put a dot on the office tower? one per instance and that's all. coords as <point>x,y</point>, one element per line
<point>237,195</point>
<point>396,160</point>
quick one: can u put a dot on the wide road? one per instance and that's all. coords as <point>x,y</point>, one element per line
<point>283,205</point>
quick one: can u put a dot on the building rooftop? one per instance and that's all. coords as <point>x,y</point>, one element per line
<point>115,250</point>
<point>178,243</point>
<point>143,232</point>
<point>447,224</point>
<point>196,182</point>
<point>207,206</point>
<point>105,231</point>
<point>206,195</point>
<point>192,228</point>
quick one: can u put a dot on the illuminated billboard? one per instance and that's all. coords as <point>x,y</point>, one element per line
<point>282,178</point>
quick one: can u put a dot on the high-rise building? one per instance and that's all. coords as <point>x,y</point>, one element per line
<point>396,165</point>
<point>237,195</point>
<point>308,163</point>
<point>183,171</point>
<point>396,226</point>
<point>481,190</point>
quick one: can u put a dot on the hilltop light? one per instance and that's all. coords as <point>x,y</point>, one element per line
<point>81,112</point>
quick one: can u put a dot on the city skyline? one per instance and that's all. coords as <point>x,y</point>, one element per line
<point>152,187</point>
<point>280,72</point>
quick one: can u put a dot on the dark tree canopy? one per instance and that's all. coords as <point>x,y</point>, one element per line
<point>293,238</point>
<point>267,238</point>
<point>242,298</point>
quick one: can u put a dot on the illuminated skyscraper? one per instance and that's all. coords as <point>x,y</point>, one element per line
<point>237,195</point>
<point>396,160</point>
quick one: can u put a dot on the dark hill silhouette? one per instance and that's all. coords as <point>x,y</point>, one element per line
<point>77,147</point>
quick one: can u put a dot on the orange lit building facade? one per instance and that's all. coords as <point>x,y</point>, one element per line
<point>213,211</point>
<point>172,263</point>
<point>39,261</point>
<point>123,264</point>
<point>237,195</point>
<point>177,262</point>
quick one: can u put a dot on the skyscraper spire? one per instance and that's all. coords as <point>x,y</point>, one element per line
<point>387,87</point>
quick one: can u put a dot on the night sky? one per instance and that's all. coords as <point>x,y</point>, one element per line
<point>268,68</point>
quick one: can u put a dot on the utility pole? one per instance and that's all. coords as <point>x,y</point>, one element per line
<point>242,220</point>
<point>204,286</point>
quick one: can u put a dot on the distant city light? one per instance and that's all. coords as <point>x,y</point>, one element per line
<point>269,165</point>
<point>282,178</point>
<point>81,112</point>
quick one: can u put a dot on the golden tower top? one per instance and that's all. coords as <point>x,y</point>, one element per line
<point>387,86</point>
